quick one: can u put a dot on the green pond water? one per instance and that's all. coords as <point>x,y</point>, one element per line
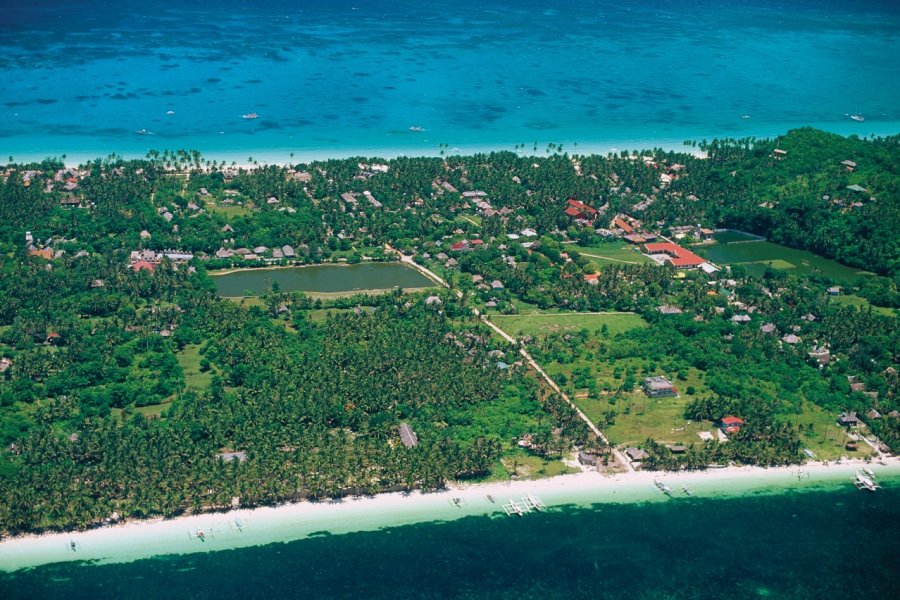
<point>756,256</point>
<point>321,279</point>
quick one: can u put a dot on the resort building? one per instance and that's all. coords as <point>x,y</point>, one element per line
<point>579,210</point>
<point>673,253</point>
<point>659,387</point>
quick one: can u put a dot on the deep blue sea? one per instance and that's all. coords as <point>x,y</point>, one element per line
<point>795,545</point>
<point>81,77</point>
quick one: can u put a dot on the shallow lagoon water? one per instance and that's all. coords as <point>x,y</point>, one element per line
<point>350,78</point>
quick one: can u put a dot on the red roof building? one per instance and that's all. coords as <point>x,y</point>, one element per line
<point>732,424</point>
<point>621,224</point>
<point>45,253</point>
<point>679,256</point>
<point>580,210</point>
<point>143,265</point>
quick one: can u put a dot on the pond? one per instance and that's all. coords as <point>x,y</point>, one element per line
<point>756,256</point>
<point>320,279</point>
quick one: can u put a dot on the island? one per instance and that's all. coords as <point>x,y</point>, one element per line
<point>496,317</point>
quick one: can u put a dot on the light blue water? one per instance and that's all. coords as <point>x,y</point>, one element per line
<point>344,77</point>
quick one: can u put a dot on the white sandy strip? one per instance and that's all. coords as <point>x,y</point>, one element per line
<point>127,542</point>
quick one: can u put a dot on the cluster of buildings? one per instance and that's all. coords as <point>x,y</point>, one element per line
<point>263,253</point>
<point>148,260</point>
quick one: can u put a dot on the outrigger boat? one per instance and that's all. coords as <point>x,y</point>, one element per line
<point>869,472</point>
<point>252,115</point>
<point>687,491</point>
<point>859,118</point>
<point>491,498</point>
<point>662,487</point>
<point>511,508</point>
<point>862,482</point>
<point>533,502</point>
<point>416,128</point>
<point>457,502</point>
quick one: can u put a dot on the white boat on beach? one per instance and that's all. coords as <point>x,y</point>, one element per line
<point>662,487</point>
<point>252,115</point>
<point>863,482</point>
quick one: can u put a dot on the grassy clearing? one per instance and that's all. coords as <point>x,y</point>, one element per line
<point>826,438</point>
<point>469,220</point>
<point>522,465</point>
<point>228,210</point>
<point>150,411</point>
<point>189,359</point>
<point>612,252</point>
<point>851,300</point>
<point>539,324</point>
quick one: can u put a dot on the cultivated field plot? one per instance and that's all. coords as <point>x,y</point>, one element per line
<point>540,323</point>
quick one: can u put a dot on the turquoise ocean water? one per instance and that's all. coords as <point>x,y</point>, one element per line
<point>795,545</point>
<point>351,76</point>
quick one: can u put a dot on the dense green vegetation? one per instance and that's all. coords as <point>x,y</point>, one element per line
<point>125,378</point>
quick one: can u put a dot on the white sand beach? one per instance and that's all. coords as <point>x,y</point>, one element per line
<point>251,527</point>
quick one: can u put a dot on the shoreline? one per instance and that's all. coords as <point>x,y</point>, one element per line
<point>241,528</point>
<point>286,155</point>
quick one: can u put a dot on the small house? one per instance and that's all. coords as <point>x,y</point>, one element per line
<point>408,436</point>
<point>636,454</point>
<point>732,424</point>
<point>659,387</point>
<point>848,419</point>
<point>239,456</point>
<point>587,459</point>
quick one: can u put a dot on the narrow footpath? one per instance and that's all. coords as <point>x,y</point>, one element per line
<point>620,457</point>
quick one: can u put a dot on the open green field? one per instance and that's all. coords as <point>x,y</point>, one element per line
<point>189,360</point>
<point>537,324</point>
<point>851,300</point>
<point>826,438</point>
<point>756,256</point>
<point>228,210</point>
<point>523,465</point>
<point>611,252</point>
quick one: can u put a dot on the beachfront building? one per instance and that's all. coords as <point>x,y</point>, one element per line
<point>659,387</point>
<point>732,424</point>
<point>636,454</point>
